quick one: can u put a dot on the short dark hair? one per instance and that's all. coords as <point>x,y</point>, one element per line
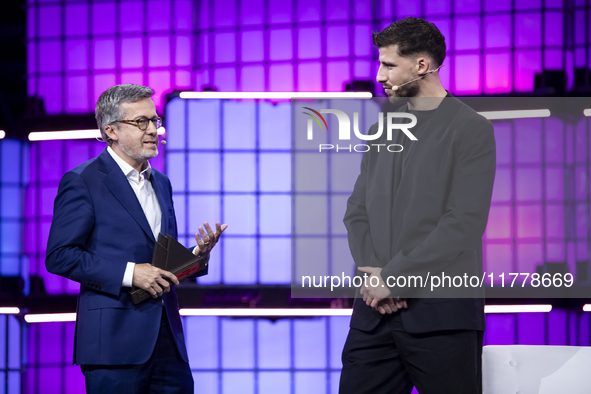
<point>108,106</point>
<point>413,36</point>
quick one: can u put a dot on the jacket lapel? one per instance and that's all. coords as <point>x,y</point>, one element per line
<point>118,184</point>
<point>156,184</point>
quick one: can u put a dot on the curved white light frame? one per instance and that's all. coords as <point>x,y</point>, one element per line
<point>50,317</point>
<point>71,134</point>
<point>274,95</point>
<point>516,114</point>
<point>261,312</point>
<point>517,308</point>
<point>9,310</point>
<point>284,312</point>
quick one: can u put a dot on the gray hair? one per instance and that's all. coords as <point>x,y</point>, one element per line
<point>108,106</point>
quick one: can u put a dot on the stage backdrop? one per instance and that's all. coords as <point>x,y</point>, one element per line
<point>78,49</point>
<point>231,161</point>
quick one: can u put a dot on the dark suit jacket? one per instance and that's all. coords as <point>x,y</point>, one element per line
<point>98,226</point>
<point>426,211</point>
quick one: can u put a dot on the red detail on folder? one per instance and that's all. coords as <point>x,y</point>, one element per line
<point>182,275</point>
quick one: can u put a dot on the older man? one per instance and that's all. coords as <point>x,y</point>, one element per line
<point>107,215</point>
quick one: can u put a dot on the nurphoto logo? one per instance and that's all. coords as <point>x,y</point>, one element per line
<point>345,130</point>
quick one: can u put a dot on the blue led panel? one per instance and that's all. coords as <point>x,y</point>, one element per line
<point>237,343</point>
<point>338,331</point>
<point>275,215</point>
<point>273,382</point>
<point>274,344</point>
<point>239,172</point>
<point>240,258</point>
<point>206,382</point>
<point>274,252</point>
<point>13,177</point>
<point>235,172</point>
<point>259,355</point>
<point>203,354</point>
<point>309,336</point>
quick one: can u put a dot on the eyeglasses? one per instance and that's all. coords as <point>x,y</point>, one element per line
<point>143,123</point>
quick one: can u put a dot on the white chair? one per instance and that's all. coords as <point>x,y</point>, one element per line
<point>521,369</point>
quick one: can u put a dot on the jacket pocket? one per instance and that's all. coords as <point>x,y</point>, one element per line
<point>102,302</point>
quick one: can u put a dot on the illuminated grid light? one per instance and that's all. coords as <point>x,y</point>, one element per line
<point>76,57</point>
<point>526,225</point>
<point>11,351</point>
<point>226,362</point>
<point>243,168</point>
<point>254,46</point>
<point>49,359</point>
<point>13,178</point>
<point>270,356</point>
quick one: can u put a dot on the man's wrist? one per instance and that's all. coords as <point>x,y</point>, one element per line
<point>128,275</point>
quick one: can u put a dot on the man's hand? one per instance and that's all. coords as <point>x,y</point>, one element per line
<point>206,242</point>
<point>377,289</point>
<point>387,305</point>
<point>379,297</point>
<point>154,280</point>
<point>383,306</point>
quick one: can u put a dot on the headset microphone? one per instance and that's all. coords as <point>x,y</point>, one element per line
<point>396,87</point>
<point>163,142</point>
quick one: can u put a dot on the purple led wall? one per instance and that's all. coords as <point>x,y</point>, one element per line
<point>237,173</point>
<point>11,357</point>
<point>78,49</point>
<point>557,328</point>
<point>257,355</point>
<point>541,200</point>
<point>13,178</point>
<point>291,355</point>
<point>13,264</point>
<point>542,167</point>
<point>49,360</point>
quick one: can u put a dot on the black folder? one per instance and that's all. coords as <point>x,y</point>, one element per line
<point>171,256</point>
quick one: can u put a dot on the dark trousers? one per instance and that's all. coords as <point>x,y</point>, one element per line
<point>164,372</point>
<point>390,360</point>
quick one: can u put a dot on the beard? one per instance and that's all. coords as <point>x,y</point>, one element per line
<point>138,154</point>
<point>406,92</point>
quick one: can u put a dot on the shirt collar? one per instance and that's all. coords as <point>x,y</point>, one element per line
<point>128,170</point>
